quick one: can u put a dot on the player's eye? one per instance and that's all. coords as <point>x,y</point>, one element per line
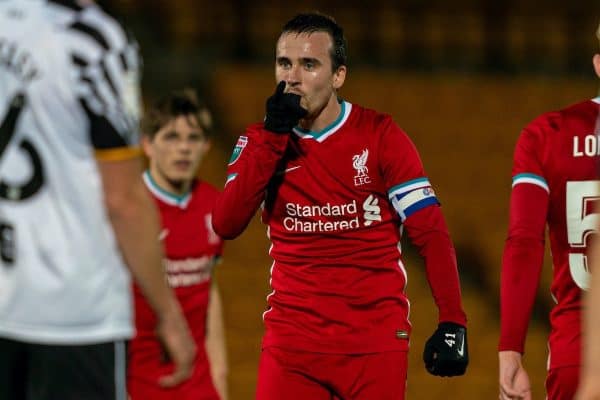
<point>196,138</point>
<point>283,62</point>
<point>171,136</point>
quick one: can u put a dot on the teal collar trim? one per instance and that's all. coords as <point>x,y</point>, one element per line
<point>329,129</point>
<point>164,195</point>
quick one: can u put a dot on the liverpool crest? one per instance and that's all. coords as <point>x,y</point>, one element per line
<point>359,163</point>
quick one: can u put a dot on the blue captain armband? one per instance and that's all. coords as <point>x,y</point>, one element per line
<point>412,196</point>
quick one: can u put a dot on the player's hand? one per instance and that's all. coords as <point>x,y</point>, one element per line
<point>514,381</point>
<point>446,352</point>
<point>174,333</point>
<point>589,384</point>
<point>283,110</point>
<point>589,389</point>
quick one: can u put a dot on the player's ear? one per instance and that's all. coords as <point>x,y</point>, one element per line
<point>339,76</point>
<point>147,145</point>
<point>596,61</point>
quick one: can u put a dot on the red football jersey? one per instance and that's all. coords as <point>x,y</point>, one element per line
<point>334,204</point>
<point>191,250</point>
<point>555,182</point>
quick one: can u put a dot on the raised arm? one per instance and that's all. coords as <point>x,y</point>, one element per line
<point>253,163</point>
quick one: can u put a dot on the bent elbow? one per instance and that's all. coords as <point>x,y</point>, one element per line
<point>224,228</point>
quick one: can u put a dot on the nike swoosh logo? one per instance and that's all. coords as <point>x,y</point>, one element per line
<point>461,351</point>
<point>290,169</point>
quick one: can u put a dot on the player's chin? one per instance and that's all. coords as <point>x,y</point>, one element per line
<point>179,176</point>
<point>182,171</point>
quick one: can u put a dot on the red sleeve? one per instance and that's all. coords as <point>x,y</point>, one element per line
<point>427,230</point>
<point>399,158</point>
<point>524,249</point>
<point>253,163</point>
<point>521,263</point>
<point>413,198</point>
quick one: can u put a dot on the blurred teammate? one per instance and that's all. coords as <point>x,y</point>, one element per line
<point>555,183</point>
<point>176,135</point>
<point>338,183</point>
<point>589,385</point>
<point>73,211</point>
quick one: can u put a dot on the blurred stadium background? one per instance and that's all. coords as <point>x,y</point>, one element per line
<point>461,77</point>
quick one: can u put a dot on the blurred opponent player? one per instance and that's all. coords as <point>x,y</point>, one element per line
<point>176,136</point>
<point>555,183</point>
<point>339,183</point>
<point>73,212</point>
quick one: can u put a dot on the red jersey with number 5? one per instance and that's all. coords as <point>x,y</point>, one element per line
<point>555,182</point>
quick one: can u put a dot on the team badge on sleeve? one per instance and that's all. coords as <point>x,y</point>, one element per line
<point>237,150</point>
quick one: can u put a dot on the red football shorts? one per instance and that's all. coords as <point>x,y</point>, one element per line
<point>146,367</point>
<point>293,375</point>
<point>561,383</point>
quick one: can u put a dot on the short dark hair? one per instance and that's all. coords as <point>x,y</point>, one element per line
<point>177,103</point>
<point>317,22</point>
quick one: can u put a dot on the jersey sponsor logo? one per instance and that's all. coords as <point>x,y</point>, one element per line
<point>338,217</point>
<point>189,271</point>
<point>359,163</point>
<point>299,215</point>
<point>372,210</point>
<point>237,150</point>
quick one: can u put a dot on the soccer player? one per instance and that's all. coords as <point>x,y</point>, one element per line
<point>74,213</point>
<point>338,183</point>
<point>589,385</point>
<point>176,136</point>
<point>555,183</point>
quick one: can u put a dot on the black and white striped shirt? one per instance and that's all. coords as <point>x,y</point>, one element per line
<point>69,95</point>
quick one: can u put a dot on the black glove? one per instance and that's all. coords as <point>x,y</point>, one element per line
<point>446,352</point>
<point>283,110</point>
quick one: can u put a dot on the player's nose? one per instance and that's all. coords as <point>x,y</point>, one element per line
<point>183,146</point>
<point>292,76</point>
